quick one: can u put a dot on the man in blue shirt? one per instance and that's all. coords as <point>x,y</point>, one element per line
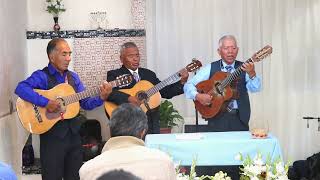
<point>60,147</point>
<point>236,118</point>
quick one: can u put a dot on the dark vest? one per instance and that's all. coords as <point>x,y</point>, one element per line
<point>243,101</point>
<point>61,128</point>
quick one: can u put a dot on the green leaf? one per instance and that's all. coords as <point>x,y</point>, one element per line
<point>169,116</point>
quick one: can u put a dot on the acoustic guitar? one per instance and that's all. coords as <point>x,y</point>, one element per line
<point>218,86</point>
<point>148,93</point>
<point>38,120</point>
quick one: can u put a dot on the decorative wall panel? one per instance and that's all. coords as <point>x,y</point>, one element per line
<point>138,10</point>
<point>93,57</point>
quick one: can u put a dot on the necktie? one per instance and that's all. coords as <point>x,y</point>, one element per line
<point>229,68</point>
<point>232,103</point>
<point>136,76</point>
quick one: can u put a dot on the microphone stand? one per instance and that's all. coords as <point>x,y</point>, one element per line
<point>197,119</point>
<point>308,118</point>
<point>197,113</point>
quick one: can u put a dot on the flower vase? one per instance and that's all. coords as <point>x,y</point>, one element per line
<point>56,26</point>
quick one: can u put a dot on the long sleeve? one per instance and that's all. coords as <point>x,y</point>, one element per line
<point>189,88</point>
<point>168,91</point>
<point>39,80</point>
<point>253,85</point>
<point>24,89</point>
<point>116,96</point>
<point>87,103</point>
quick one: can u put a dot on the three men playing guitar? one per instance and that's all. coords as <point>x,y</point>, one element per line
<point>60,147</point>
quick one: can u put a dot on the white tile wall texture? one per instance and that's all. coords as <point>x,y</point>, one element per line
<point>93,57</point>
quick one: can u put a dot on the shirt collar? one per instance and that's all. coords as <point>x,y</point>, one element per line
<point>53,70</point>
<point>131,71</point>
<point>224,64</point>
<point>122,142</point>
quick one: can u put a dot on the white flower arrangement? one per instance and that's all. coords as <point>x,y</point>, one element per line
<point>55,7</point>
<point>193,175</point>
<point>257,169</point>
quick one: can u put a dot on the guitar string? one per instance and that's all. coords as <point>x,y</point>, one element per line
<point>84,94</point>
<point>190,67</point>
<point>162,84</point>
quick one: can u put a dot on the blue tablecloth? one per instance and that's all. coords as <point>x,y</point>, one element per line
<point>6,172</point>
<point>214,148</point>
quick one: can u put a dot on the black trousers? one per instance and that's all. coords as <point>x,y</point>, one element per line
<point>229,121</point>
<point>60,157</point>
<point>153,121</point>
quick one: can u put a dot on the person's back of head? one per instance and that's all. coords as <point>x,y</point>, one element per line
<point>128,120</point>
<point>118,175</point>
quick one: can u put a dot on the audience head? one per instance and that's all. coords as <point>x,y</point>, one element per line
<point>129,55</point>
<point>59,54</point>
<point>118,175</point>
<point>128,120</point>
<point>228,49</point>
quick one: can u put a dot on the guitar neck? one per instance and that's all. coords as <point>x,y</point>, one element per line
<point>170,80</point>
<point>85,94</point>
<point>233,75</point>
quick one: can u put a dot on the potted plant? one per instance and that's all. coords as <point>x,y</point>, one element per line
<point>169,116</point>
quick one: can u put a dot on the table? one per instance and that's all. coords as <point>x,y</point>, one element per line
<point>213,148</point>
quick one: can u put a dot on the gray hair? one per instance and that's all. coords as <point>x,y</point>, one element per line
<point>128,120</point>
<point>127,45</point>
<point>118,174</point>
<point>227,37</point>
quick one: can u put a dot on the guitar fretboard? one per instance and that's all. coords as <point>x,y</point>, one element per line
<point>170,80</point>
<point>84,94</point>
<point>232,76</point>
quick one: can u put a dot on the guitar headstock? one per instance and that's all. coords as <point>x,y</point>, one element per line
<point>122,80</point>
<point>262,53</point>
<point>194,65</point>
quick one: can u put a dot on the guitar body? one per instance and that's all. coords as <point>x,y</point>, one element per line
<point>38,120</point>
<point>219,99</point>
<point>137,90</point>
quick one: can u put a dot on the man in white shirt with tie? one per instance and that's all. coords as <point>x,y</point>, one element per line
<point>237,114</point>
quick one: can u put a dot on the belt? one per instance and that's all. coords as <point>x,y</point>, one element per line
<point>233,111</point>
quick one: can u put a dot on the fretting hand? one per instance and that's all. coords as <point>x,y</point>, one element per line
<point>105,90</point>
<point>184,76</point>
<point>249,68</point>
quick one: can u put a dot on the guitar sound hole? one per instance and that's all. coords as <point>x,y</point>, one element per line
<point>142,96</point>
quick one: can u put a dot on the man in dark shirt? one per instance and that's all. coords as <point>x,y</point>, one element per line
<point>60,147</point>
<point>130,58</point>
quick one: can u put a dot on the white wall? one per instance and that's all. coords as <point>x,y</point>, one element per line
<point>76,16</point>
<point>13,63</point>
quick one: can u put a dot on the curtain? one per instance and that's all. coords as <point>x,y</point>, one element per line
<point>179,30</point>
